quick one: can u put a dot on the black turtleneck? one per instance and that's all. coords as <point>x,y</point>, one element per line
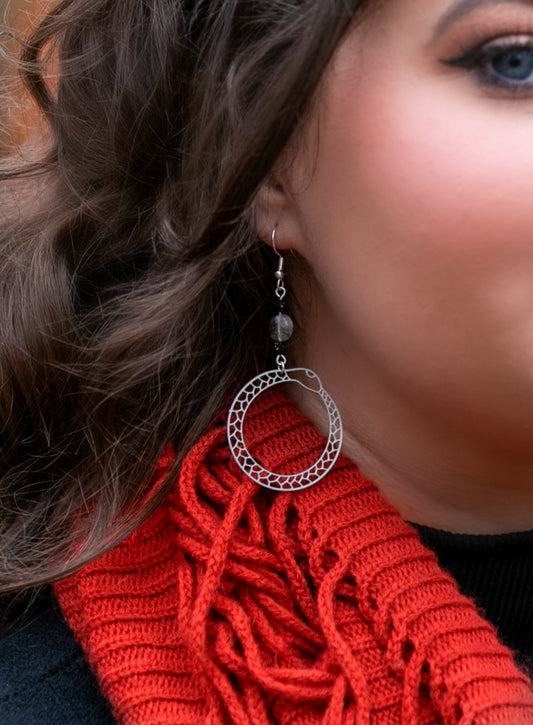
<point>44,678</point>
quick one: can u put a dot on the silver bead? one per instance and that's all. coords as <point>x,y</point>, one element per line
<point>281,328</point>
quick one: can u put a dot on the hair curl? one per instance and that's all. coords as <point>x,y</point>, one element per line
<point>132,293</point>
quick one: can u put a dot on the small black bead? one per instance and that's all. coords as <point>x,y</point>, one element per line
<point>279,347</point>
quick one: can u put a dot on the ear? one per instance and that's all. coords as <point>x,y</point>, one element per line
<point>276,207</point>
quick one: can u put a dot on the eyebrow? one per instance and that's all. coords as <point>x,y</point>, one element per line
<point>465,7</point>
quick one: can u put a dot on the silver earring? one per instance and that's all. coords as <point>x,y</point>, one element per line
<point>281,329</point>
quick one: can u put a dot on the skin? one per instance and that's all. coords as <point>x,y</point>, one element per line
<point>410,198</point>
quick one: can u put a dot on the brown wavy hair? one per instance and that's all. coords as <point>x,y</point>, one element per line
<point>133,291</point>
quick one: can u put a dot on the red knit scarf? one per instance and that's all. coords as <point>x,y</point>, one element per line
<point>233,604</point>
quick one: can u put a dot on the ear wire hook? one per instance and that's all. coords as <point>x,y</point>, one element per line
<point>280,273</point>
<point>273,240</point>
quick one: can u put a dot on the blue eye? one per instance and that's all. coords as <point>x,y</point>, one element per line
<point>516,64</point>
<point>506,63</point>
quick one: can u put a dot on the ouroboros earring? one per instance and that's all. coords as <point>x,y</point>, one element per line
<point>281,329</point>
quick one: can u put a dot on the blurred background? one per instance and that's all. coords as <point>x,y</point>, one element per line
<point>17,119</point>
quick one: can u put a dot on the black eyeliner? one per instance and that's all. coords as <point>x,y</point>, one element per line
<point>477,62</point>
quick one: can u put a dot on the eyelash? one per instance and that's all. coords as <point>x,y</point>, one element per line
<point>478,60</point>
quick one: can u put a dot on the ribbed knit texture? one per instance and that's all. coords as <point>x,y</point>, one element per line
<point>236,605</point>
<point>497,572</point>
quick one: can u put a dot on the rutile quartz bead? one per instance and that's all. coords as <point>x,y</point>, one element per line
<point>281,328</point>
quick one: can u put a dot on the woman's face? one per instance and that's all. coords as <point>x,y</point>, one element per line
<point>412,202</point>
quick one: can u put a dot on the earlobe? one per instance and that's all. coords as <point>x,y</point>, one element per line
<point>269,208</point>
<point>275,207</point>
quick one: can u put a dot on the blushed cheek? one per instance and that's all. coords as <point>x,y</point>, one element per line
<point>419,221</point>
<point>427,172</point>
<point>457,168</point>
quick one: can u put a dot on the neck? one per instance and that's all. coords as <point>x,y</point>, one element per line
<point>435,466</point>
<point>431,479</point>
